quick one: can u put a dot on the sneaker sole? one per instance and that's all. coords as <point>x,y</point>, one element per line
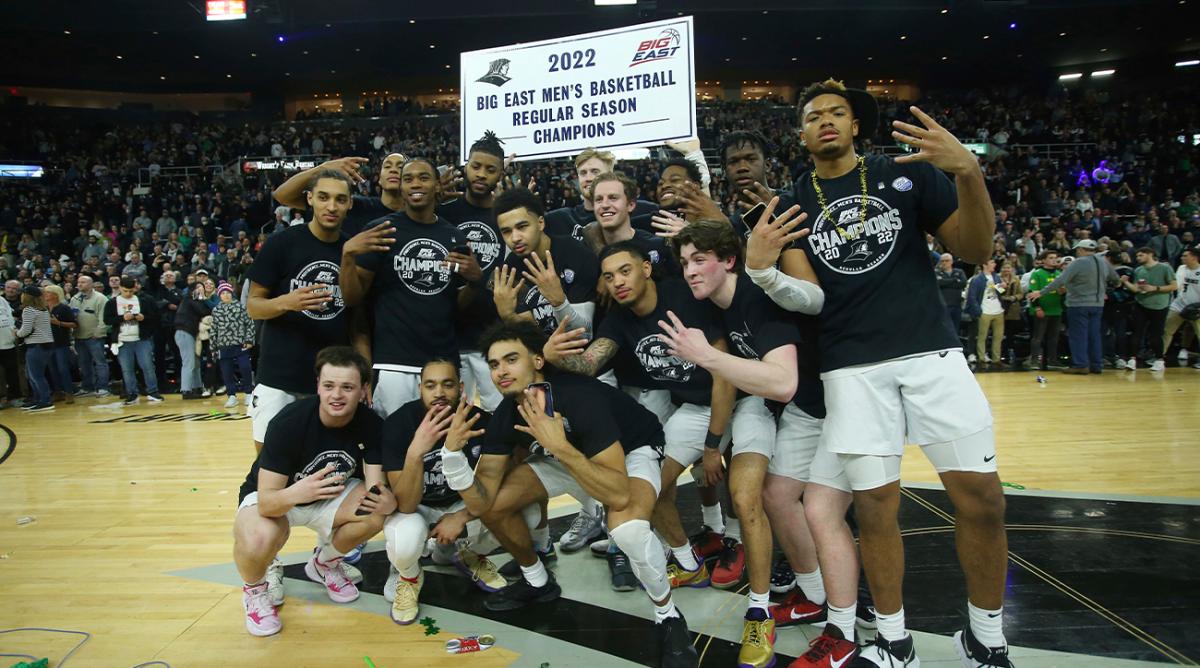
<point>725,585</point>
<point>624,588</point>
<point>552,595</point>
<point>575,546</point>
<point>310,569</point>
<point>782,590</point>
<point>400,623</point>
<point>769,664</point>
<point>262,633</point>
<point>462,568</point>
<point>960,650</point>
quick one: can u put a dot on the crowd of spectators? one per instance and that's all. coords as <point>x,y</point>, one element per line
<point>169,206</point>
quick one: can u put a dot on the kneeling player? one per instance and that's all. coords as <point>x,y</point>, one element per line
<point>310,473</point>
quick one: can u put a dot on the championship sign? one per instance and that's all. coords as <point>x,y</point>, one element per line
<point>626,87</point>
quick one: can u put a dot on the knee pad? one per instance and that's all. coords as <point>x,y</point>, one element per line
<point>645,554</point>
<point>406,534</point>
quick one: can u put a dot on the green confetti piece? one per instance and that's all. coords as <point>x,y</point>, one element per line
<point>370,663</point>
<point>1012,485</point>
<point>195,489</point>
<point>432,630</point>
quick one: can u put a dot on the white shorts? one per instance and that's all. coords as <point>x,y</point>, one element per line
<point>393,390</point>
<point>795,444</point>
<point>478,539</point>
<point>265,404</point>
<point>477,379</point>
<point>656,401</point>
<point>975,453</point>
<point>318,515</point>
<point>752,429</point>
<point>929,398</point>
<point>644,463</point>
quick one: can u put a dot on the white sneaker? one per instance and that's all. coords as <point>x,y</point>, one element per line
<point>1196,365</point>
<point>1158,365</point>
<point>337,585</point>
<point>261,618</point>
<point>1119,363</point>
<point>275,582</point>
<point>1132,365</point>
<point>389,587</point>
<point>103,393</point>
<point>1183,357</point>
<point>231,402</point>
<point>585,529</point>
<point>404,602</point>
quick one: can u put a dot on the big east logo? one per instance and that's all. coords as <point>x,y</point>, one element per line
<point>661,47</point>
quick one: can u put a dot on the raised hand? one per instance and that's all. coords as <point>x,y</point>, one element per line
<point>770,237</point>
<point>937,146</point>
<point>460,431</point>
<point>564,343</point>
<point>545,276</point>
<point>377,239</point>
<point>348,166</point>
<point>686,343</point>
<point>667,224</point>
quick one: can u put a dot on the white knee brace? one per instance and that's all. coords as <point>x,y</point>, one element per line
<point>645,554</point>
<point>406,534</point>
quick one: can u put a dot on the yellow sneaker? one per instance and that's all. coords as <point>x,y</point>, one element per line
<point>758,640</point>
<point>480,569</point>
<point>681,577</point>
<point>404,607</point>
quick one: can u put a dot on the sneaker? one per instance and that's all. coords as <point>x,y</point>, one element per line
<point>205,393</point>
<point>352,574</point>
<point>275,582</point>
<point>682,577</point>
<point>707,543</point>
<point>864,616</point>
<point>404,599</point>
<point>730,565</point>
<point>512,570</point>
<point>231,402</point>
<point>352,556</point>
<point>130,400</point>
<point>103,393</point>
<point>623,578</point>
<point>1118,363</point>
<point>585,529</point>
<point>1183,357</point>
<point>480,569</point>
<point>828,650</point>
<point>28,405</point>
<point>337,584</point>
<point>190,395</point>
<point>154,397</point>
<point>676,643</point>
<point>1196,365</point>
<point>758,640</point>
<point>973,654</point>
<point>41,408</point>
<point>389,587</point>
<point>261,618</point>
<point>797,609</point>
<point>783,579</point>
<point>83,393</point>
<point>1132,364</point>
<point>600,548</point>
<point>880,652</point>
<point>1158,365</point>
<point>520,594</point>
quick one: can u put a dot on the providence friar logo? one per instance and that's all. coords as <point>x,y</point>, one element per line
<point>497,73</point>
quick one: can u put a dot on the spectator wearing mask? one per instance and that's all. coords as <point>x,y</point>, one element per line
<point>1118,312</point>
<point>62,323</point>
<point>1085,281</point>
<point>132,320</point>
<point>90,334</point>
<point>232,337</point>
<point>985,307</point>
<point>39,343</point>
<point>192,310</point>
<point>951,281</point>
<point>1154,284</point>
<point>1046,311</point>
<point>9,357</point>
<point>1186,302</point>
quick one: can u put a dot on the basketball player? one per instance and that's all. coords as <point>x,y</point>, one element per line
<point>570,220</point>
<point>366,208</point>
<point>413,264</point>
<point>892,368</point>
<point>472,215</point>
<point>586,439</point>
<point>319,468</point>
<point>614,199</point>
<point>744,157</point>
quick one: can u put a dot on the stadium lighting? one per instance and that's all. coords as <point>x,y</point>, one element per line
<point>1103,73</point>
<point>1187,63</point>
<point>1070,77</point>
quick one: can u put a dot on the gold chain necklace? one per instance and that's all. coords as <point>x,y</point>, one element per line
<point>862,180</point>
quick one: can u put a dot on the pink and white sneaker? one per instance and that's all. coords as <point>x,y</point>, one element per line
<point>261,618</point>
<point>333,576</point>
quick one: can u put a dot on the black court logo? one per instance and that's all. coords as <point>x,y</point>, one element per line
<point>483,241</point>
<point>497,73</point>
<point>321,272</point>
<point>421,266</point>
<point>848,245</point>
<point>659,363</point>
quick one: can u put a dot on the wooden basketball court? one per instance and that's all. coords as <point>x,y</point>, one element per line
<point>130,510</point>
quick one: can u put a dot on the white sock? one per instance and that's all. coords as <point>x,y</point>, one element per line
<point>812,586</point>
<point>541,538</point>
<point>891,627</point>
<point>987,625</point>
<point>713,517</point>
<point>328,553</point>
<point>665,611</point>
<point>686,557</point>
<point>536,574</point>
<point>762,600</point>
<point>843,619</point>
<point>733,528</point>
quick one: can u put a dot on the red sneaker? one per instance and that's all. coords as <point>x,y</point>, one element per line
<point>797,609</point>
<point>730,565</point>
<point>828,650</point>
<point>706,542</point>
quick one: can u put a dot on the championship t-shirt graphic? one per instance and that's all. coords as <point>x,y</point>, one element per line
<point>848,245</point>
<point>421,266</point>
<point>343,464</point>
<point>321,272</point>
<point>659,363</point>
<point>483,242</point>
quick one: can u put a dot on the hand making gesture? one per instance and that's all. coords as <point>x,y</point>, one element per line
<point>770,237</point>
<point>937,146</point>
<point>686,343</point>
<point>547,431</point>
<point>545,277</point>
<point>564,343</point>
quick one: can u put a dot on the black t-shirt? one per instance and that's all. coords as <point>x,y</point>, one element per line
<point>743,226</point>
<point>414,293</point>
<point>810,391</point>
<point>646,362</point>
<point>661,257</point>
<point>595,415</point>
<point>62,335</point>
<point>365,210</point>
<point>482,235</point>
<point>578,270</point>
<point>297,444</point>
<point>398,431</point>
<point>569,221</point>
<point>881,299</point>
<point>293,259</point>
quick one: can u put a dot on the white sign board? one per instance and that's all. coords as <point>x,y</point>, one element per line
<point>626,87</point>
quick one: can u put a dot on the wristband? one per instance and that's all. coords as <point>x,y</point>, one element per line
<point>457,469</point>
<point>713,441</point>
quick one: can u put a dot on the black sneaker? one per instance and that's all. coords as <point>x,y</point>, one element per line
<point>864,613</point>
<point>29,405</point>
<point>623,578</point>
<point>974,655</point>
<point>154,397</point>
<point>880,652</point>
<point>41,408</point>
<point>130,400</point>
<point>190,395</point>
<point>783,579</point>
<point>676,643</point>
<point>512,570</point>
<point>520,594</point>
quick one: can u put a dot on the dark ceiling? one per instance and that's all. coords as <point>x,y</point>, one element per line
<point>131,45</point>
